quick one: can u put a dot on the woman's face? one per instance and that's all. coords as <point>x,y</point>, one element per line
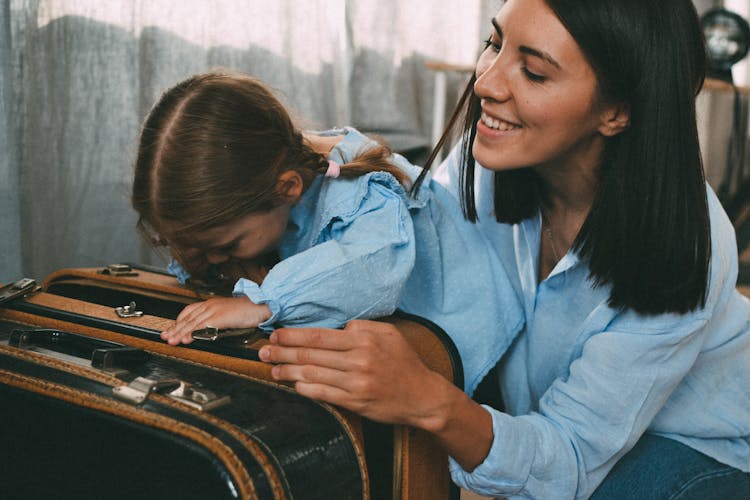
<point>538,94</point>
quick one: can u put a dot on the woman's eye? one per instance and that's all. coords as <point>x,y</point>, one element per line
<point>533,76</point>
<point>492,43</point>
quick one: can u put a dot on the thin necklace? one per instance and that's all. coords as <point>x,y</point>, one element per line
<point>547,230</point>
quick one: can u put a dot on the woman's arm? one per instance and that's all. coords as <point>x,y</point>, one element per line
<point>369,368</point>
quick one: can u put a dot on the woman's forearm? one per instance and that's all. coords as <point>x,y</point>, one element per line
<point>462,426</point>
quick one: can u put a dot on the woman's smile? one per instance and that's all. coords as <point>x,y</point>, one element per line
<point>497,124</point>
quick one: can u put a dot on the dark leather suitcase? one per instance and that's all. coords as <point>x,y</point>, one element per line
<point>399,462</point>
<point>87,418</point>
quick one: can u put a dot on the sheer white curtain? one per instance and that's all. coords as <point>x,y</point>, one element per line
<point>78,76</point>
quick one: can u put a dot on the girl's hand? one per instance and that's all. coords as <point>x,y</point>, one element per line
<point>225,312</point>
<point>368,367</point>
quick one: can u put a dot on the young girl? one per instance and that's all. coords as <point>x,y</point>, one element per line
<point>225,178</point>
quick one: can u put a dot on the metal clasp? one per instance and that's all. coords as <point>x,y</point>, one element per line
<point>212,333</point>
<point>138,390</point>
<point>24,286</point>
<point>199,398</point>
<point>128,311</point>
<point>118,270</point>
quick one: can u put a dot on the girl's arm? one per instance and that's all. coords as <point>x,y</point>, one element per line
<point>359,271</point>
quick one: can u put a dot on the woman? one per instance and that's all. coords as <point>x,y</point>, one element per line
<point>630,378</point>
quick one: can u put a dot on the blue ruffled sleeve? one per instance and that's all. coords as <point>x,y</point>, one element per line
<point>356,266</point>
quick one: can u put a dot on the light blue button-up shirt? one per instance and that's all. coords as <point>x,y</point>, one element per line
<point>362,247</point>
<point>583,381</point>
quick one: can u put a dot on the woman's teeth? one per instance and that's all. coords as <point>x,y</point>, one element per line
<point>496,124</point>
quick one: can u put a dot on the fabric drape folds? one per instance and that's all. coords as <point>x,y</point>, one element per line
<point>78,76</point>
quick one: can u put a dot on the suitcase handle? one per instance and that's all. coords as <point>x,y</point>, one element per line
<point>108,356</point>
<point>115,359</point>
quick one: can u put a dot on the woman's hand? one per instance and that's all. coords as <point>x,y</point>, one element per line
<point>225,312</point>
<point>369,368</point>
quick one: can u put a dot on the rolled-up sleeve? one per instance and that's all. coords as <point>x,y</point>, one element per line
<point>588,420</point>
<point>357,270</point>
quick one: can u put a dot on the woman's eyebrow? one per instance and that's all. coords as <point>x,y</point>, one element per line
<point>524,49</point>
<point>540,54</point>
<point>497,27</point>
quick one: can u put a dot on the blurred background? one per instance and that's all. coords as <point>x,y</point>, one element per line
<point>78,76</point>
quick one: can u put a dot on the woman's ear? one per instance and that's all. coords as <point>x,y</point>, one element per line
<point>615,119</point>
<point>290,186</point>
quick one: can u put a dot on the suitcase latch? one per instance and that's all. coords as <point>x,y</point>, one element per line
<point>128,311</point>
<point>196,397</point>
<point>118,270</point>
<point>212,333</point>
<point>21,287</point>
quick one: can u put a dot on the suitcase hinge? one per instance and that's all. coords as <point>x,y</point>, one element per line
<point>199,398</point>
<point>118,270</point>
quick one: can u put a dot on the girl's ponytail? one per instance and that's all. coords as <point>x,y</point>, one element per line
<point>375,159</point>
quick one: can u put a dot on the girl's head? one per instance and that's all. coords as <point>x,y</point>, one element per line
<point>219,164</point>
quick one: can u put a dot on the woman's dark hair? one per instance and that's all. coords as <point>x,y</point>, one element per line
<point>647,234</point>
<point>211,151</point>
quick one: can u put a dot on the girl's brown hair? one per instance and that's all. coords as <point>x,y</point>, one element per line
<point>212,149</point>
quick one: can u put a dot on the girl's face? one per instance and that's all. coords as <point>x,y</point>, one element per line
<point>247,238</point>
<point>538,94</point>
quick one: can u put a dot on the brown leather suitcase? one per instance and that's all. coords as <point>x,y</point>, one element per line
<point>400,462</point>
<point>87,418</point>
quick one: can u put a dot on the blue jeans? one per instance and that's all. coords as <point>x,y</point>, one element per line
<point>658,468</point>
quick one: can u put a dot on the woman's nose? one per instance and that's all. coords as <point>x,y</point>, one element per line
<point>492,81</point>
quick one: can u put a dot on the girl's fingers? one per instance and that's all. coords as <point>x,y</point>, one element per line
<point>187,322</point>
<point>189,311</point>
